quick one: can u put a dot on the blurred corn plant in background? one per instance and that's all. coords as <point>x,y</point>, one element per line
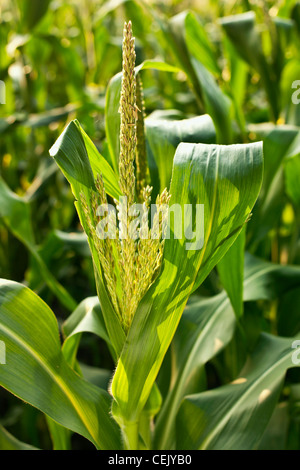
<point>217,79</point>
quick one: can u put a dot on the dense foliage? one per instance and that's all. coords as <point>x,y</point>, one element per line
<point>208,361</point>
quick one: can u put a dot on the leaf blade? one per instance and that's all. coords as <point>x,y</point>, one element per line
<point>36,371</point>
<point>196,169</point>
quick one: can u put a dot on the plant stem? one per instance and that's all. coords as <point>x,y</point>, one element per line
<point>130,433</point>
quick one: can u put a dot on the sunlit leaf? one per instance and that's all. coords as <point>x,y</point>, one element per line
<point>235,416</point>
<point>37,372</point>
<point>202,174</point>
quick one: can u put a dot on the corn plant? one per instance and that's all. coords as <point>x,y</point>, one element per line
<point>144,280</point>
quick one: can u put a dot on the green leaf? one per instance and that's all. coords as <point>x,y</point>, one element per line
<point>243,33</point>
<point>32,12</point>
<point>99,377</point>
<point>207,326</point>
<point>235,416</point>
<point>44,174</point>
<point>9,442</point>
<point>241,30</point>
<point>54,115</point>
<point>198,42</point>
<point>282,30</point>
<point>292,175</point>
<point>80,161</point>
<point>163,136</point>
<point>231,272</point>
<point>274,437</point>
<point>186,38</point>
<point>267,281</point>
<point>202,174</point>
<point>86,318</point>
<point>157,65</point>
<point>60,436</point>
<point>58,242</point>
<point>217,104</point>
<point>37,372</point>
<point>279,143</point>
<point>292,170</point>
<point>16,213</point>
<point>239,71</point>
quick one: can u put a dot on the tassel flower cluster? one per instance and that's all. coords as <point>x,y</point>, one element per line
<point>130,256</point>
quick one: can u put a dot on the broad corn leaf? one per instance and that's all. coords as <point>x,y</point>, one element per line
<point>234,416</point>
<point>37,372</point>
<point>226,179</point>
<point>207,326</point>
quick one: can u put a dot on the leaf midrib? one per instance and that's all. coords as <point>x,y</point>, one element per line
<point>227,416</point>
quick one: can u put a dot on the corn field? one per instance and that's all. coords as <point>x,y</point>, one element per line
<point>149,226</point>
